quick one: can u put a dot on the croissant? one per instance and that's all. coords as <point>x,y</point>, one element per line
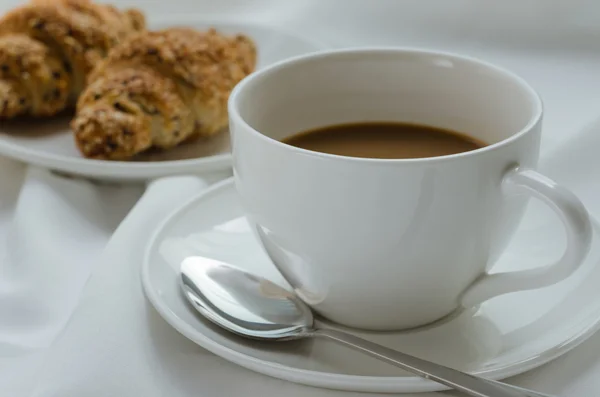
<point>48,48</point>
<point>159,89</point>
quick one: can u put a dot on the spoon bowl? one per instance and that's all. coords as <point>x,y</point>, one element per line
<point>243,303</point>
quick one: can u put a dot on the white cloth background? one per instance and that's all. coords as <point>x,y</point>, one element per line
<point>73,318</point>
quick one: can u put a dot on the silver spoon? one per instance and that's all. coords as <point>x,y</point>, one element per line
<point>254,307</point>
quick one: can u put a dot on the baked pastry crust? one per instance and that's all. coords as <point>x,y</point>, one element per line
<point>49,47</point>
<point>158,89</point>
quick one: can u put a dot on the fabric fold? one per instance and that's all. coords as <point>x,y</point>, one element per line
<point>102,327</point>
<point>56,232</point>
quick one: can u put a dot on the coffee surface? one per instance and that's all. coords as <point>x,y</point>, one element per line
<point>384,140</point>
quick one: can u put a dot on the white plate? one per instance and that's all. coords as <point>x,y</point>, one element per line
<point>49,143</point>
<point>507,336</point>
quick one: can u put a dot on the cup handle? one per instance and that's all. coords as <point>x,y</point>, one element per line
<point>578,228</point>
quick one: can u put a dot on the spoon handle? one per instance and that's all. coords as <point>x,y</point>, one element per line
<point>469,384</point>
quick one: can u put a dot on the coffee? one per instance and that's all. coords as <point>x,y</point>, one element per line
<point>384,140</point>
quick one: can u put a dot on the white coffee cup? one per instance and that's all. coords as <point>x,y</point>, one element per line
<point>391,244</point>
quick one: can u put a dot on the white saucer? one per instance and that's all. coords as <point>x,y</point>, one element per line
<point>49,142</point>
<point>507,336</point>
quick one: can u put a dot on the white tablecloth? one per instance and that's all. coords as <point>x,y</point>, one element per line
<point>73,318</point>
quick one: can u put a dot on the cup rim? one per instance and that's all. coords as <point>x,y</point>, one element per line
<point>236,118</point>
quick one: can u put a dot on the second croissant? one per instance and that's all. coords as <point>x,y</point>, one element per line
<point>159,89</point>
